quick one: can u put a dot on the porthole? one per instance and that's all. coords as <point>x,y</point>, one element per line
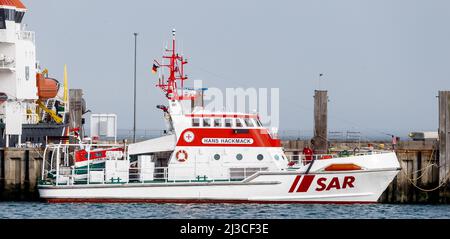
<point>260,157</point>
<point>239,156</point>
<point>216,156</point>
<point>277,157</point>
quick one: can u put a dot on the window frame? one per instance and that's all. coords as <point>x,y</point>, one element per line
<point>252,124</point>
<point>220,122</point>
<point>258,123</point>
<point>209,122</point>
<point>198,122</point>
<point>230,123</point>
<point>240,125</point>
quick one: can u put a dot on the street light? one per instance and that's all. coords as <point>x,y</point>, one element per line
<point>134,115</point>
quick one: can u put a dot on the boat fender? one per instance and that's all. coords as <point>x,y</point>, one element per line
<point>182,156</point>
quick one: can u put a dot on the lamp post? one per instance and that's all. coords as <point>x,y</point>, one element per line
<point>134,104</point>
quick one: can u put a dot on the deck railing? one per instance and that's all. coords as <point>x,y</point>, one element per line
<point>302,159</point>
<point>71,176</point>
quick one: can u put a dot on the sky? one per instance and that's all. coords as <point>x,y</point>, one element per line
<point>383,62</point>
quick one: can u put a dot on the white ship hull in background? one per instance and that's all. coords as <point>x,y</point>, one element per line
<point>318,186</point>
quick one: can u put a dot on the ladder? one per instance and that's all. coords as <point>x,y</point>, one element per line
<point>49,104</point>
<point>48,110</point>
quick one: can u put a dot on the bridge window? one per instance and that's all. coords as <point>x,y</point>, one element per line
<point>239,123</point>
<point>8,14</point>
<point>248,122</point>
<point>19,16</point>
<point>217,122</point>
<point>195,122</point>
<point>206,122</point>
<point>228,123</point>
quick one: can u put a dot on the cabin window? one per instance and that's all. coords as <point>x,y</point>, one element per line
<point>260,157</point>
<point>216,156</point>
<point>239,156</point>
<point>248,122</point>
<point>228,123</point>
<point>8,14</point>
<point>195,122</point>
<point>277,157</point>
<point>239,123</point>
<point>217,122</point>
<point>206,122</point>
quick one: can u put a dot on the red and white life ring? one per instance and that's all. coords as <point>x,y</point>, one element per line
<point>182,156</point>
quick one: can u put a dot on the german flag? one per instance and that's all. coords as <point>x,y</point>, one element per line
<point>155,69</point>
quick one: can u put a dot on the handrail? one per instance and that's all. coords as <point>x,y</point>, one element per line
<point>306,159</point>
<point>57,145</point>
<point>160,174</point>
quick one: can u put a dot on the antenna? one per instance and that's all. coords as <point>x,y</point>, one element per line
<point>320,77</point>
<point>176,73</point>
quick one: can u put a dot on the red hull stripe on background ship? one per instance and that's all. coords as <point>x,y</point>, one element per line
<point>81,155</point>
<point>228,137</point>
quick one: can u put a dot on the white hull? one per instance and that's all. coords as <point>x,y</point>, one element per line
<point>263,187</point>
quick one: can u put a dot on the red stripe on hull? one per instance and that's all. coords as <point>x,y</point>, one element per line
<point>294,184</point>
<point>306,183</point>
<point>195,201</point>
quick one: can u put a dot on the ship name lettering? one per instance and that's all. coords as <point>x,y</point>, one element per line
<point>335,183</point>
<point>227,141</point>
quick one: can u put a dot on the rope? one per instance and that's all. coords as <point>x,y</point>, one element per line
<point>442,183</point>
<point>426,167</point>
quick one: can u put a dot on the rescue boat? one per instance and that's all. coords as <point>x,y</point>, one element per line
<point>209,157</point>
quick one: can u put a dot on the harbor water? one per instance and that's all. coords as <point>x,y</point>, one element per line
<point>38,210</point>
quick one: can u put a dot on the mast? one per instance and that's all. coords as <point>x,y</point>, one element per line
<point>175,65</point>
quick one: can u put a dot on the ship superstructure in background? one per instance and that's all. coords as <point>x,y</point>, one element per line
<point>30,107</point>
<point>208,157</point>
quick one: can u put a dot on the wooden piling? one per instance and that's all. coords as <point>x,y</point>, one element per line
<point>76,109</point>
<point>320,139</point>
<point>444,142</point>
<point>20,172</point>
